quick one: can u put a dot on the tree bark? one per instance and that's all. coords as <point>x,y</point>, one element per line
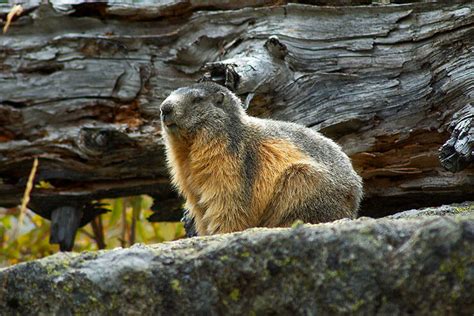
<point>458,152</point>
<point>80,86</point>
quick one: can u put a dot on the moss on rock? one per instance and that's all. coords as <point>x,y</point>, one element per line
<point>419,264</point>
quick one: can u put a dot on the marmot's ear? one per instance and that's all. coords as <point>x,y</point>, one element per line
<point>248,98</point>
<point>219,97</point>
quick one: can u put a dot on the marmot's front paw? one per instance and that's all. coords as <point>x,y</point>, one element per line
<point>189,225</point>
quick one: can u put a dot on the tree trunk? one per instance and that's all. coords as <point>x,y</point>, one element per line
<point>80,86</point>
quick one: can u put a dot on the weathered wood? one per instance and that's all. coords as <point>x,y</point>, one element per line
<point>65,221</point>
<point>80,86</point>
<point>458,152</point>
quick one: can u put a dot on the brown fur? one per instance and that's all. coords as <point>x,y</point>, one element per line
<point>208,178</point>
<point>276,156</point>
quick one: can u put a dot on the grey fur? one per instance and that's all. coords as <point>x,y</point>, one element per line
<point>244,134</point>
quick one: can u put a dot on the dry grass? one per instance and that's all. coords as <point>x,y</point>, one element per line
<point>26,195</point>
<point>16,10</point>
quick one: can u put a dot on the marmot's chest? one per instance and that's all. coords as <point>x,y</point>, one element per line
<point>204,172</point>
<point>210,174</point>
<point>218,173</point>
<point>214,177</point>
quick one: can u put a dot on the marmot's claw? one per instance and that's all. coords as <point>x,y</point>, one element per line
<point>189,225</point>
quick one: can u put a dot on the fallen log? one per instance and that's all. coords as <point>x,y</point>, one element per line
<point>80,86</point>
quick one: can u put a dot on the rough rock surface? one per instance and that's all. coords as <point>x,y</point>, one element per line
<point>452,209</point>
<point>420,265</point>
<point>80,86</point>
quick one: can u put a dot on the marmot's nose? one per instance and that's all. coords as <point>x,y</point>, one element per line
<point>166,114</point>
<point>166,109</point>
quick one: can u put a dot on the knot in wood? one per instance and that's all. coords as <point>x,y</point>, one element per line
<point>276,48</point>
<point>223,74</point>
<point>458,151</point>
<point>96,141</point>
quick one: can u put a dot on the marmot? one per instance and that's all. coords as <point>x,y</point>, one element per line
<point>237,171</point>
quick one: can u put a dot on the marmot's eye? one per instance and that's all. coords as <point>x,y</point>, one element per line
<point>198,99</point>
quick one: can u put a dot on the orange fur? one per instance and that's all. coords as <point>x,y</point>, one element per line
<point>210,178</point>
<point>275,156</point>
<point>295,182</point>
<point>178,158</point>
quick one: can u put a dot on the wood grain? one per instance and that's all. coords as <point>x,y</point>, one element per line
<point>80,86</point>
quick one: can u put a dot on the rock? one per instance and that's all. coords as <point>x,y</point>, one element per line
<point>80,86</point>
<point>464,208</point>
<point>388,266</point>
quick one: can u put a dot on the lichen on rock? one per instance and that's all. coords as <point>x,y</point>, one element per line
<point>421,264</point>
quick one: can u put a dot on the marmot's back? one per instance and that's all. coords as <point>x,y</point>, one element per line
<point>238,172</point>
<point>322,180</point>
<point>322,149</point>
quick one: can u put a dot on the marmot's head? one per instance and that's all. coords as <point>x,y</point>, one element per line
<point>200,106</point>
